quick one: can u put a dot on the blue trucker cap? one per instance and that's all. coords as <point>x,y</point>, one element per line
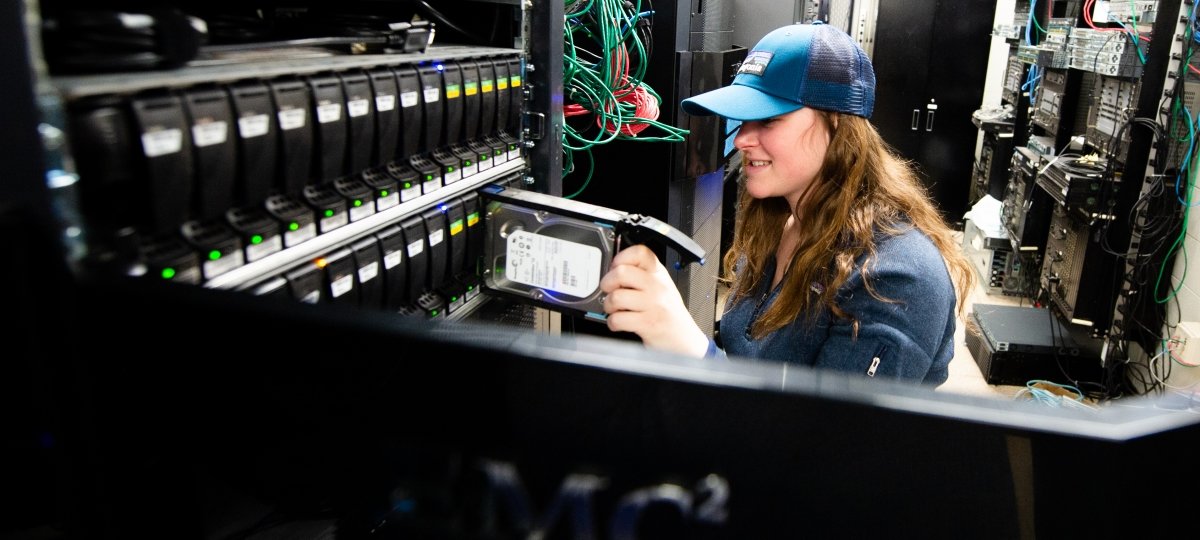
<point>802,65</point>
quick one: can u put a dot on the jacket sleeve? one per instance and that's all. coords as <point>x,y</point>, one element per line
<point>903,338</point>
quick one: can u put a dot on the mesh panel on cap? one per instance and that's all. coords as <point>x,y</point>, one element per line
<point>830,61</point>
<point>839,76</point>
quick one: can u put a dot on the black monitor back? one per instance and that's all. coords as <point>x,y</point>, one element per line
<point>229,416</point>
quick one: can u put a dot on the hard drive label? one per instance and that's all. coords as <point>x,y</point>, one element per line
<point>385,103</point>
<point>254,126</point>
<point>553,264</point>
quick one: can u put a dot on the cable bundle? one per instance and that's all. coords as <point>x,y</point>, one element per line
<point>1053,395</point>
<point>607,46</point>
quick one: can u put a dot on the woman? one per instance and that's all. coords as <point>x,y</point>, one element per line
<point>839,259</point>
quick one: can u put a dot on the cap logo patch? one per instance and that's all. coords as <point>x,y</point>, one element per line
<point>756,62</point>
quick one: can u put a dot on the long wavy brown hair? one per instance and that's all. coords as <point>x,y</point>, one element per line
<point>862,189</point>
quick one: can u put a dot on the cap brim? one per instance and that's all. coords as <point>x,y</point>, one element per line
<point>738,102</point>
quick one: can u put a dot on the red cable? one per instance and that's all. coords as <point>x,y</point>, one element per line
<point>1087,18</point>
<point>645,106</point>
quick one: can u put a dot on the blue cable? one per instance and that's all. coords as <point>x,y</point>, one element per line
<point>1032,77</point>
<point>1031,82</point>
<point>1029,23</point>
<point>1192,23</point>
<point>641,15</point>
<point>1047,397</point>
<point>1133,36</point>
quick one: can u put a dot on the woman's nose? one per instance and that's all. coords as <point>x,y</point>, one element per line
<point>747,135</point>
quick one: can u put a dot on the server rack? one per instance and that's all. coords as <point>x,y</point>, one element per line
<point>230,173</point>
<point>139,176</point>
<point>1093,101</point>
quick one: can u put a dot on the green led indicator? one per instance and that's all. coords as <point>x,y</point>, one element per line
<point>214,255</point>
<point>453,298</point>
<point>483,157</point>
<point>468,162</point>
<point>357,202</point>
<point>451,168</point>
<point>470,287</point>
<point>407,185</point>
<point>293,226</point>
<point>329,213</point>
<point>383,193</point>
<point>256,239</point>
<point>168,273</point>
<point>428,177</point>
<point>433,313</point>
<point>499,152</point>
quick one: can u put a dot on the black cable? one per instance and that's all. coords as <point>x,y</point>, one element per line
<point>1054,348</point>
<point>1115,376</point>
<point>441,19</point>
<point>647,34</point>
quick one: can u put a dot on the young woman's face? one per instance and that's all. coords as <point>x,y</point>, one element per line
<point>781,155</point>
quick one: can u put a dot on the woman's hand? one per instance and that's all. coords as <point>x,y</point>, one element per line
<point>641,298</point>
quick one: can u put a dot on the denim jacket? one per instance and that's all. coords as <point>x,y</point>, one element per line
<point>910,338</point>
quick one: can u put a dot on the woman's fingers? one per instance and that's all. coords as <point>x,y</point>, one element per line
<point>626,321</point>
<point>641,298</point>
<point>625,276</point>
<point>634,267</point>
<point>637,255</point>
<point>627,300</point>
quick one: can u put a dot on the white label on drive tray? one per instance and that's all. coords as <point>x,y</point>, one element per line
<point>342,285</point>
<point>162,142</point>
<point>553,264</point>
<point>415,248</point>
<point>392,259</point>
<point>385,102</point>
<point>368,272</point>
<point>210,133</point>
<point>254,126</point>
<point>358,107</point>
<point>329,112</point>
<point>292,119</point>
